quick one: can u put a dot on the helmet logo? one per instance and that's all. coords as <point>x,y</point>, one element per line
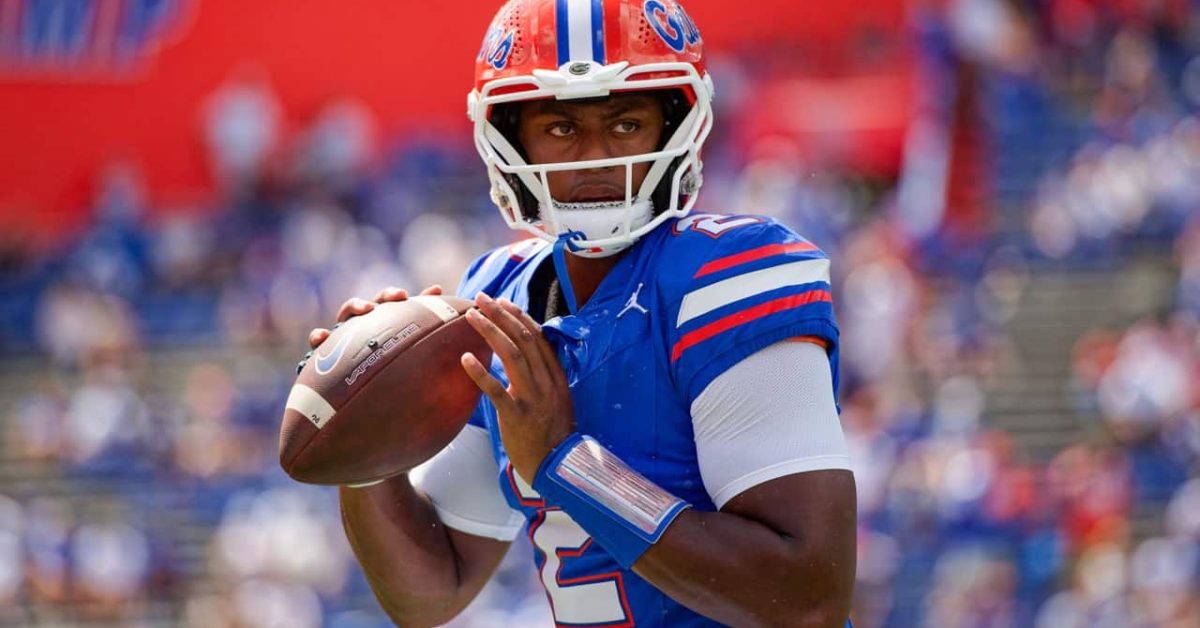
<point>673,25</point>
<point>497,47</point>
<point>579,69</point>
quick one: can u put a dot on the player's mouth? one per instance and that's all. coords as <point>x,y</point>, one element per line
<point>596,193</point>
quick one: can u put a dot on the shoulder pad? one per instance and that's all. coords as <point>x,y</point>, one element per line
<point>735,284</point>
<point>489,271</point>
<point>704,248</point>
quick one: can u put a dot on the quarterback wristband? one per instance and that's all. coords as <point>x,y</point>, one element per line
<point>616,505</point>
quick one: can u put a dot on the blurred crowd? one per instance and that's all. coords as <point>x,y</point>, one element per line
<point>1095,148</point>
<point>138,479</point>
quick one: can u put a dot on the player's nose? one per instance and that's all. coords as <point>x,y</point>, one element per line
<point>595,146</point>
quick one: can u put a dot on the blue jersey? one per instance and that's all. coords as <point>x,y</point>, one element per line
<point>686,302</point>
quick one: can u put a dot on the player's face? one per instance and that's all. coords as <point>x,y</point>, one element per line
<point>555,131</point>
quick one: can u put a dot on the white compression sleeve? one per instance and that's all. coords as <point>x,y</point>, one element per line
<point>462,481</point>
<point>770,415</point>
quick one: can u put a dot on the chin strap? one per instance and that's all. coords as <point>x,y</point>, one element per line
<point>563,243</point>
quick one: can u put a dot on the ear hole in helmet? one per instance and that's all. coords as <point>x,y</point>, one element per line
<point>506,117</point>
<point>675,108</point>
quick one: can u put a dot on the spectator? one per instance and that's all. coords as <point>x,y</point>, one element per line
<point>12,568</point>
<point>242,126</point>
<point>111,563</point>
<point>339,148</point>
<point>958,525</point>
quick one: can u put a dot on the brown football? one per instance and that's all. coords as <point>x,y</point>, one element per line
<point>382,394</point>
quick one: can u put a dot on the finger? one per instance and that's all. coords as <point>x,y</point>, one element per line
<point>515,363</point>
<point>516,331</point>
<point>533,342</point>
<point>484,380</point>
<point>435,289</point>
<point>317,336</point>
<point>391,293</point>
<point>543,344</point>
<point>504,319</point>
<point>354,307</point>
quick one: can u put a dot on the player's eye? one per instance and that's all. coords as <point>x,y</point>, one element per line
<point>625,127</point>
<point>561,129</point>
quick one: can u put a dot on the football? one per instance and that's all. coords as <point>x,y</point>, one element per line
<point>382,394</point>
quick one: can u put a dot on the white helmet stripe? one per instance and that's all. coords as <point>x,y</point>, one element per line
<point>580,30</point>
<point>579,14</point>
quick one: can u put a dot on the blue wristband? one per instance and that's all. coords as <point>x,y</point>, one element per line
<point>616,505</point>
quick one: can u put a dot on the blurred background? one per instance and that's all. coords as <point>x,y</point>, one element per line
<point>1010,190</point>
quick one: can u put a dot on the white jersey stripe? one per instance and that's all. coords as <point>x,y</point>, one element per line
<point>704,300</point>
<point>579,15</point>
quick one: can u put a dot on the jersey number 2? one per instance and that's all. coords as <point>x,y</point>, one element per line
<point>592,600</point>
<point>713,225</point>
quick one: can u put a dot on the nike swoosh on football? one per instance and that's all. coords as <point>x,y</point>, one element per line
<point>325,363</point>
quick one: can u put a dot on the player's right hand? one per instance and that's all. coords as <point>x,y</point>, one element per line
<point>358,307</point>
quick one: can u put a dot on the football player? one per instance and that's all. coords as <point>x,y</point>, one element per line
<point>660,415</point>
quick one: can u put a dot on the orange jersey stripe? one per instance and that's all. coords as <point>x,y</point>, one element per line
<point>697,336</point>
<point>746,257</point>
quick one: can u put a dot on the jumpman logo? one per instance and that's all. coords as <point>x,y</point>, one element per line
<point>632,303</point>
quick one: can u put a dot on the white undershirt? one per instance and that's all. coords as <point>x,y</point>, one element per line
<point>462,480</point>
<point>770,415</point>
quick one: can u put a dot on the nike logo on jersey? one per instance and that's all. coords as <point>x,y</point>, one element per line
<point>632,303</point>
<point>325,363</point>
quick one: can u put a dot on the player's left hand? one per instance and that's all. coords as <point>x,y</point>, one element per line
<point>535,411</point>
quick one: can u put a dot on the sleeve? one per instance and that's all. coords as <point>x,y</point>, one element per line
<point>770,415</point>
<point>461,482</point>
<point>489,271</point>
<point>481,274</point>
<point>749,289</point>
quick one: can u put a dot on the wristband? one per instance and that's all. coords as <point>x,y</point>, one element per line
<point>616,505</point>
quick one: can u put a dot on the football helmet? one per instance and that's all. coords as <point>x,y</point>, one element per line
<point>582,49</point>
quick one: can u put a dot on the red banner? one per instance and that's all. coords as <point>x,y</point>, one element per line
<point>90,82</point>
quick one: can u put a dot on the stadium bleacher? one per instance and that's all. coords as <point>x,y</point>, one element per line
<point>1024,411</point>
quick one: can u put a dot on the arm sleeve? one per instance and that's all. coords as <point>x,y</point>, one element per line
<point>770,415</point>
<point>461,480</point>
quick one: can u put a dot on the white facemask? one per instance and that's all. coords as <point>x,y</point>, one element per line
<point>605,228</point>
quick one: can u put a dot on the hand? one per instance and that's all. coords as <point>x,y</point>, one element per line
<point>535,411</point>
<point>358,307</point>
